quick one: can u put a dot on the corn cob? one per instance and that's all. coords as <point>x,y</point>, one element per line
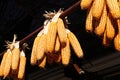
<point>117,37</point>
<point>42,62</point>
<point>110,28</point>
<point>99,30</point>
<point>61,32</point>
<point>65,53</point>
<point>98,8</point>
<point>105,41</point>
<point>85,4</point>
<point>51,32</point>
<point>75,44</point>
<point>89,20</point>
<point>15,56</point>
<point>3,63</point>
<point>33,58</point>
<point>7,66</point>
<point>51,36</point>
<point>22,65</point>
<point>41,47</point>
<point>57,44</point>
<point>114,8</point>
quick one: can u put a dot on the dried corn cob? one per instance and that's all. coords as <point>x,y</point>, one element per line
<point>75,44</point>
<point>98,8</point>
<point>7,66</point>
<point>33,59</point>
<point>22,65</point>
<point>117,37</point>
<point>2,66</point>
<point>117,42</point>
<point>41,47</point>
<point>114,8</point>
<point>15,56</point>
<point>89,20</point>
<point>65,53</point>
<point>105,41</point>
<point>57,44</point>
<point>42,62</point>
<point>85,4</point>
<point>51,36</point>
<point>110,28</point>
<point>99,30</point>
<point>61,32</point>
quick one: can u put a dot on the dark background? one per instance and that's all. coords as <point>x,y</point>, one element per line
<point>22,17</point>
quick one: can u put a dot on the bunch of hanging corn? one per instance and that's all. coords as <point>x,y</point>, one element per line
<point>13,62</point>
<point>103,19</point>
<point>52,44</point>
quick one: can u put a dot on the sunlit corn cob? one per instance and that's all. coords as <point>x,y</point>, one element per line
<point>75,44</point>
<point>61,32</point>
<point>33,59</point>
<point>15,56</point>
<point>51,36</point>
<point>22,65</point>
<point>65,53</point>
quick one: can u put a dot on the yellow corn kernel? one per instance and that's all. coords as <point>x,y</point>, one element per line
<point>117,37</point>
<point>15,56</point>
<point>8,63</point>
<point>89,21</point>
<point>41,47</point>
<point>33,59</point>
<point>22,65</point>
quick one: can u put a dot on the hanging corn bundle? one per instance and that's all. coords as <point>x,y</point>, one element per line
<point>103,19</point>
<point>13,61</point>
<point>53,44</point>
